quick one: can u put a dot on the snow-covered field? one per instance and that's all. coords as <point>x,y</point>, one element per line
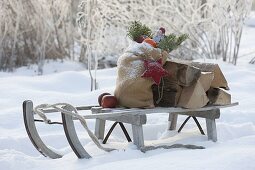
<point>67,82</point>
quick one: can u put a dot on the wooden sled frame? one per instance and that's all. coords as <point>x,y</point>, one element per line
<point>136,117</point>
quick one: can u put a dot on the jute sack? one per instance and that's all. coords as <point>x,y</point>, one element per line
<point>131,89</point>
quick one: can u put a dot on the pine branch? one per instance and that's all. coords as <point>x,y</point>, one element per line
<point>172,42</point>
<point>137,29</point>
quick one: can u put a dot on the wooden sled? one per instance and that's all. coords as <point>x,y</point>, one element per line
<point>136,117</point>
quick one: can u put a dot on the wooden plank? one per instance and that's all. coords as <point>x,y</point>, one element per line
<point>32,131</point>
<point>72,137</point>
<point>138,136</point>
<point>172,121</point>
<point>113,113</point>
<point>116,111</point>
<point>211,129</point>
<point>164,109</point>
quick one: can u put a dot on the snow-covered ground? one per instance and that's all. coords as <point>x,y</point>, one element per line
<point>67,82</point>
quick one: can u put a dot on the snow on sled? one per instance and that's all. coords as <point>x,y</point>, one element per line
<point>136,117</point>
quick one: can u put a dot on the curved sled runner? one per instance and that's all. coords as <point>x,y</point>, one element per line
<point>69,129</point>
<point>33,135</point>
<point>136,117</point>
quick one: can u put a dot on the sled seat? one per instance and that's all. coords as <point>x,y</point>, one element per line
<point>135,117</point>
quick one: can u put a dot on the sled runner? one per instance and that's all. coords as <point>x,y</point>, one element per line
<point>134,116</point>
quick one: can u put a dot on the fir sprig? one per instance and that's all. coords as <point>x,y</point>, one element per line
<point>171,42</point>
<point>137,29</point>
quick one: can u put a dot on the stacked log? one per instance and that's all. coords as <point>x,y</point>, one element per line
<point>191,85</point>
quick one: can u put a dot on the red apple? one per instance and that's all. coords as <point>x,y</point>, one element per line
<point>109,101</point>
<point>101,96</point>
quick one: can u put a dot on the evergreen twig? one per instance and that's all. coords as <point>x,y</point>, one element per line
<point>137,29</point>
<point>171,42</point>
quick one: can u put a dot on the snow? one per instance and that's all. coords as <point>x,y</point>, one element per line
<point>130,59</point>
<point>250,21</point>
<point>68,82</point>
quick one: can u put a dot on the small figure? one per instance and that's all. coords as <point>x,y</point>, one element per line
<point>160,34</point>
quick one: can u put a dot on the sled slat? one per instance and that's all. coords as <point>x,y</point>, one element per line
<point>112,113</point>
<point>108,111</point>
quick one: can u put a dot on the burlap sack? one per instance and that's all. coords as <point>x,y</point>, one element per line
<point>131,89</point>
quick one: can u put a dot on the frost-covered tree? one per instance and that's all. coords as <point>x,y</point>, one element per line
<point>214,26</point>
<point>97,20</point>
<point>33,30</point>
